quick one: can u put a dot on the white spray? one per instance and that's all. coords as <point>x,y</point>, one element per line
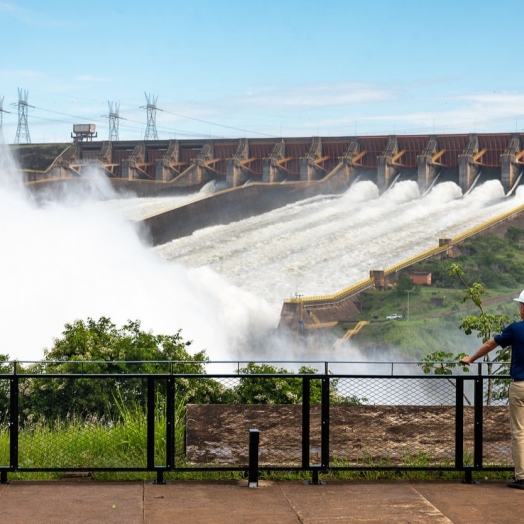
<point>72,258</point>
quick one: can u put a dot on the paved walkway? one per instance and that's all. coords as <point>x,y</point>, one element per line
<point>272,502</point>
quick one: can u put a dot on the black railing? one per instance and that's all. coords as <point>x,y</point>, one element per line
<point>66,422</point>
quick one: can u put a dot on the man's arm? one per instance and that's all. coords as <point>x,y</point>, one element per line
<point>481,352</point>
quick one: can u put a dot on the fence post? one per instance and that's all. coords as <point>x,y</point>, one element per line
<point>254,440</point>
<point>306,421</point>
<point>479,411</point>
<point>14,421</point>
<point>325,423</point>
<point>150,452</point>
<point>170,423</point>
<point>459,424</point>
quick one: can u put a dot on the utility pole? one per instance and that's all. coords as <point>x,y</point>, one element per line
<point>22,130</point>
<point>408,292</point>
<point>151,108</point>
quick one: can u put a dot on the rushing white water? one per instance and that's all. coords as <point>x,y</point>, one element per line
<point>77,256</point>
<point>134,208</point>
<point>321,245</point>
<point>72,258</point>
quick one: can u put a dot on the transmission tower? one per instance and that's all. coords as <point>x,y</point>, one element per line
<point>22,130</point>
<point>151,108</point>
<point>114,118</point>
<point>2,111</point>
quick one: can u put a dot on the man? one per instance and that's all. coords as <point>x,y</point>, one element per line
<point>512,335</point>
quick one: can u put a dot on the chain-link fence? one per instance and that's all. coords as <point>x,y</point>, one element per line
<point>306,421</point>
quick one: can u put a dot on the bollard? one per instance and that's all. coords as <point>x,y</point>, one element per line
<point>254,440</point>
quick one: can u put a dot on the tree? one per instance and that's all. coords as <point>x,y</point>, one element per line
<point>100,347</point>
<point>404,284</point>
<point>443,363</point>
<point>515,235</point>
<point>485,325</point>
<point>284,389</point>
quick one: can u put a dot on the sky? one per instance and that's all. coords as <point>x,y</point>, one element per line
<point>239,68</point>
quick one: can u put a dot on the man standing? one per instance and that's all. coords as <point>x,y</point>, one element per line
<point>512,335</point>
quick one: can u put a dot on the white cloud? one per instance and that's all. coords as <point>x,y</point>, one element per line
<point>91,78</point>
<point>317,96</point>
<point>27,16</point>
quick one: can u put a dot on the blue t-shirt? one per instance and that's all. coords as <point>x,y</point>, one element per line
<point>513,335</point>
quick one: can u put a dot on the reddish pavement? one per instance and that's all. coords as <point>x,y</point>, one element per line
<point>273,502</point>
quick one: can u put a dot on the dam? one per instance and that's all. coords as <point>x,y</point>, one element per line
<point>382,159</point>
<point>224,281</point>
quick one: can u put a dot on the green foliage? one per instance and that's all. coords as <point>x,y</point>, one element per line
<point>485,325</point>
<point>113,350</point>
<point>487,258</point>
<point>515,235</point>
<point>284,389</point>
<point>403,284</point>
<point>442,363</point>
<point>281,390</point>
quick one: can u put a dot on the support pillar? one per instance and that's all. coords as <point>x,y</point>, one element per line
<point>235,175</point>
<point>270,167</point>
<point>468,170</point>
<point>379,277</point>
<point>270,171</point>
<point>426,170</point>
<point>510,169</point>
<point>165,168</point>
<point>386,170</point>
<point>308,169</point>
<point>129,170</point>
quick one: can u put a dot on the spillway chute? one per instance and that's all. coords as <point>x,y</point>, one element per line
<point>432,184</point>
<point>515,185</point>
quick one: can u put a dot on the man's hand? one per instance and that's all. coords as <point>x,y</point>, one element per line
<point>466,360</point>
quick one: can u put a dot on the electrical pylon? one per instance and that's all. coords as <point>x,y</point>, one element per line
<point>151,108</point>
<point>22,130</point>
<point>114,118</point>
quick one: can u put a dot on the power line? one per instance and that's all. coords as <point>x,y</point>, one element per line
<point>218,125</point>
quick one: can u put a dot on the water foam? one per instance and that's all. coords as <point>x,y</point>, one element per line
<point>67,257</point>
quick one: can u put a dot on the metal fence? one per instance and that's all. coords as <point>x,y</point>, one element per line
<point>331,420</point>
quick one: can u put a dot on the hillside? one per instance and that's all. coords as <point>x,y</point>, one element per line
<point>431,315</point>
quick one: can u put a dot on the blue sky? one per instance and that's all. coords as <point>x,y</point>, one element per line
<point>231,68</point>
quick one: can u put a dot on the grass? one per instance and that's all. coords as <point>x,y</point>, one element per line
<point>76,443</point>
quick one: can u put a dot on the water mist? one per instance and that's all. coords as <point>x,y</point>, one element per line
<point>68,258</point>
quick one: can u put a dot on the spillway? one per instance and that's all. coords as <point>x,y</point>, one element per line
<point>134,208</point>
<point>323,244</point>
<point>79,255</point>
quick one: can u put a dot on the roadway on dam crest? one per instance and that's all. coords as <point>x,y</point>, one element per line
<point>86,501</point>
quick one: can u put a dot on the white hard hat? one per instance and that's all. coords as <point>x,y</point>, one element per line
<point>521,298</point>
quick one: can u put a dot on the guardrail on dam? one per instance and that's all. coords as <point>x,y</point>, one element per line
<point>192,163</point>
